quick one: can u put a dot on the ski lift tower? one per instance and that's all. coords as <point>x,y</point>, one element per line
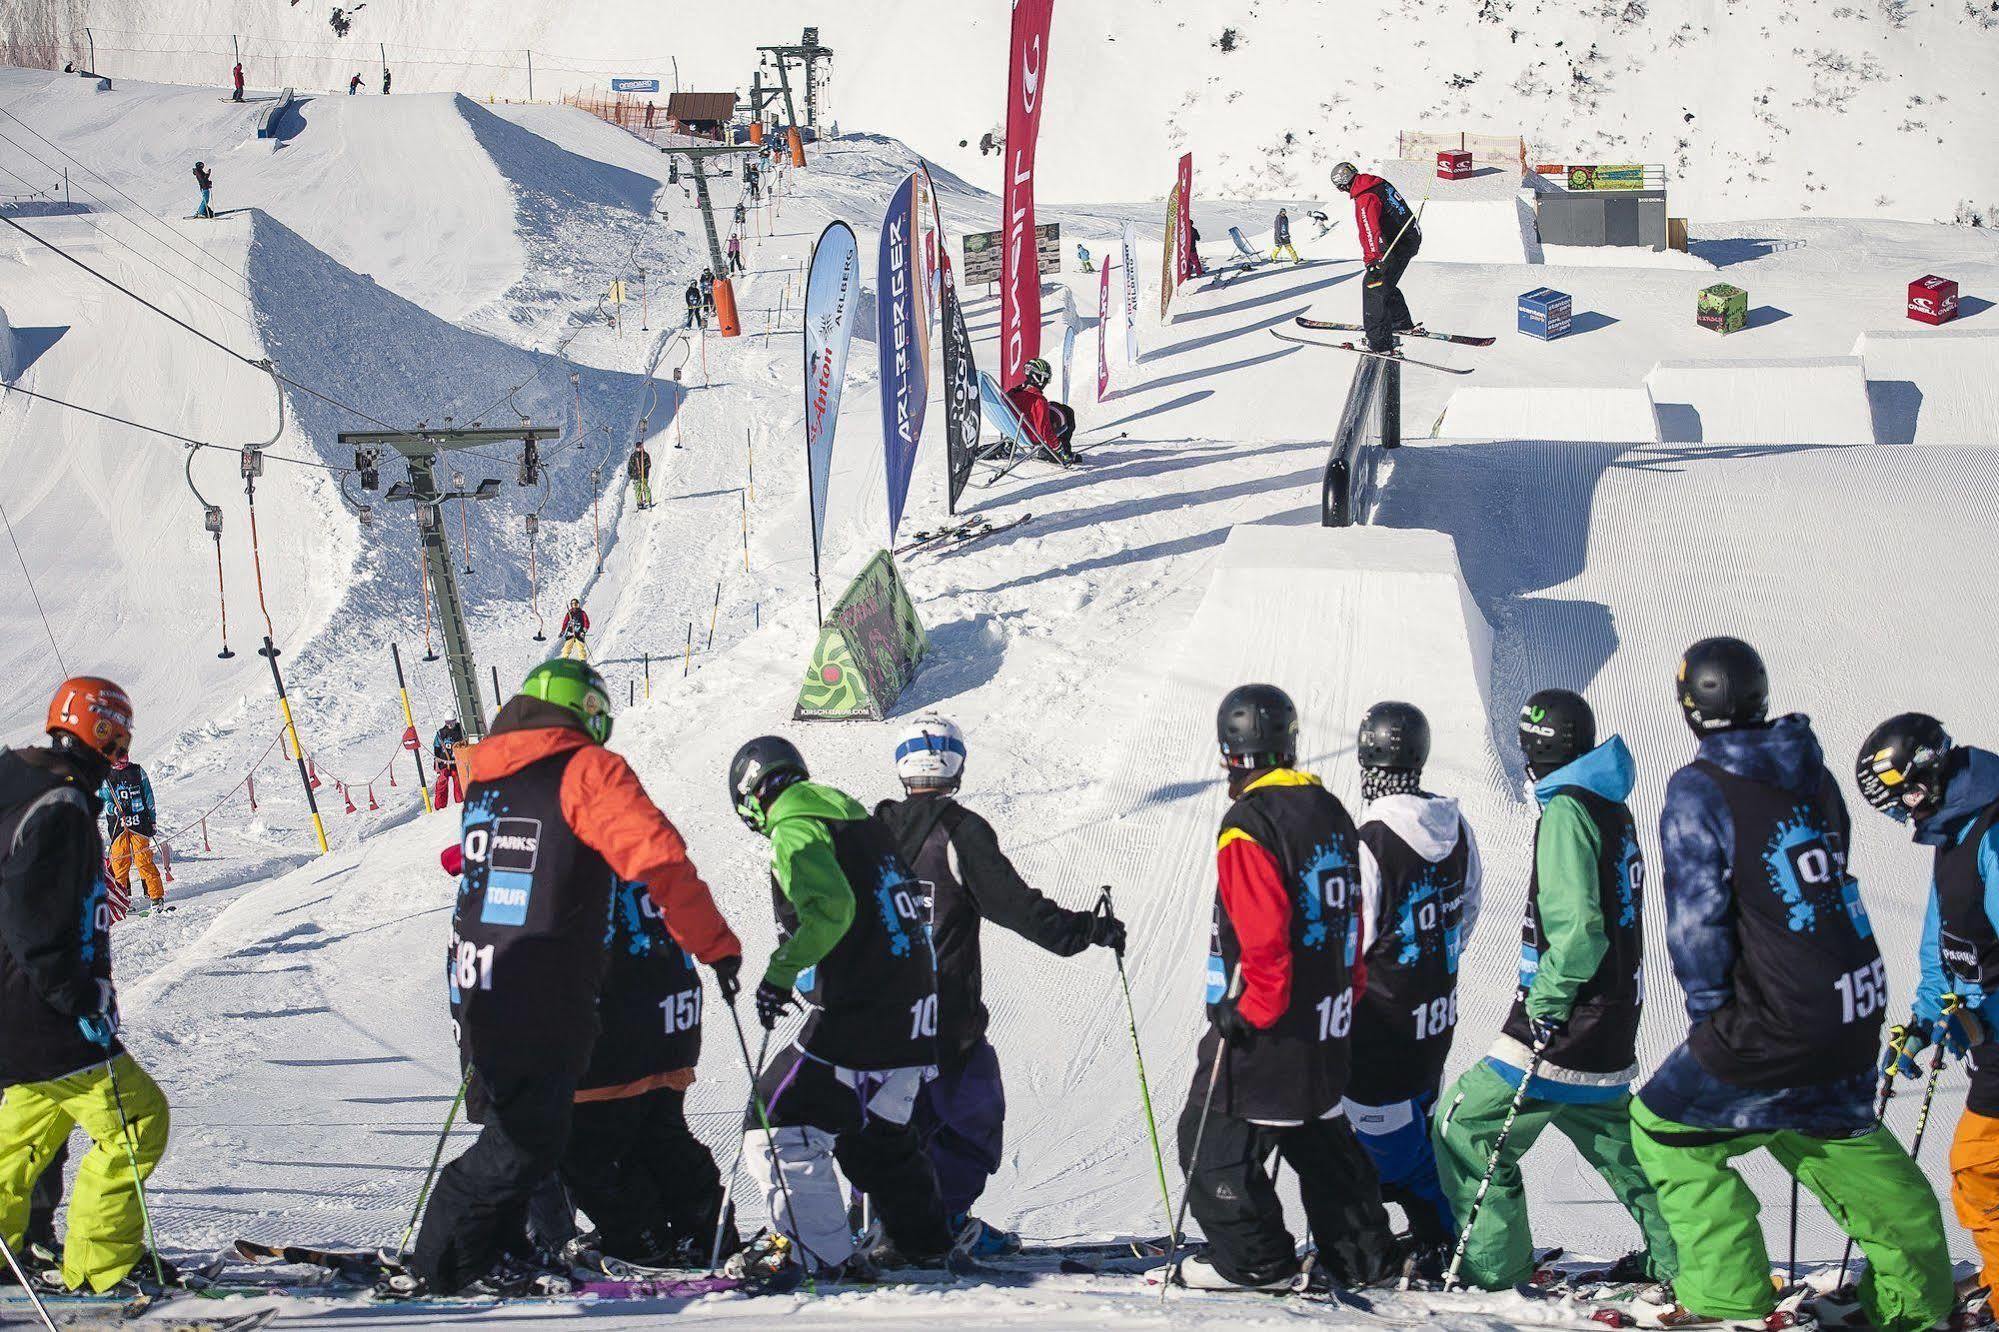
<point>420,449</point>
<point>808,53</point>
<point>697,162</point>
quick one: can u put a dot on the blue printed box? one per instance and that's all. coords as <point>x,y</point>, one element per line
<point>1544,313</point>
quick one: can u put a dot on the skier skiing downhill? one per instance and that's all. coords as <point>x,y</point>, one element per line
<point>1421,876</point>
<point>60,1059</point>
<point>1785,991</point>
<point>1568,1050</point>
<point>131,818</point>
<point>1909,770</point>
<point>552,819</point>
<point>961,1113</point>
<point>1283,973</point>
<point>854,935</point>
<point>575,624</point>
<point>1389,239</point>
<point>448,786</point>
<point>1051,423</point>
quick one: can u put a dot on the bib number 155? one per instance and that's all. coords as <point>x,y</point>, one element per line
<point>1862,991</point>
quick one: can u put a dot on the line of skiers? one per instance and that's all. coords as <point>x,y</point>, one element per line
<point>1331,988</point>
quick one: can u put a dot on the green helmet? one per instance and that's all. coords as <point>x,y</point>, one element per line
<point>574,685</point>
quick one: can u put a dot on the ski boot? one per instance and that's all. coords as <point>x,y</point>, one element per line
<point>1659,1308</point>
<point>1197,1272</point>
<point>769,1262</point>
<point>980,1239</point>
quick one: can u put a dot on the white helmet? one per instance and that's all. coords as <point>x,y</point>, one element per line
<point>930,755</point>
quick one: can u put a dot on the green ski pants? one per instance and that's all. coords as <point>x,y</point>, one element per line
<point>1501,1252</point>
<point>1869,1185</point>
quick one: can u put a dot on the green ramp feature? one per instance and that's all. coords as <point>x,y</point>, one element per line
<point>868,649</point>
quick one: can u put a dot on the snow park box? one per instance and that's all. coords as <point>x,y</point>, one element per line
<point>1544,313</point>
<point>1723,308</point>
<point>1933,300</point>
<point>1454,164</point>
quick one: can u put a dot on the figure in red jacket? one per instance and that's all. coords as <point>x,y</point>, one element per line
<point>1051,423</point>
<point>1389,239</point>
<point>575,624</point>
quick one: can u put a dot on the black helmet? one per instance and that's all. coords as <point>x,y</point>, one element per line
<point>1902,757</point>
<point>1556,728</point>
<point>1722,685</point>
<point>1257,727</point>
<point>761,768</point>
<point>1038,373</point>
<point>1394,735</point>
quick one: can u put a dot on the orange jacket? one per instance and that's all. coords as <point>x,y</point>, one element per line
<point>609,811</point>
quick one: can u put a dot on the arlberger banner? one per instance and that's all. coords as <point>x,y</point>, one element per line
<point>982,254</point>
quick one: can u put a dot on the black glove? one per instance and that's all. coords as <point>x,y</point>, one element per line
<point>1373,275</point>
<point>1236,1029</point>
<point>727,976</point>
<point>1107,931</point>
<point>772,1001</point>
<point>1544,1030</point>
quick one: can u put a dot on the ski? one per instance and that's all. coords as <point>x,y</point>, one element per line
<point>960,543</point>
<point>1462,339</point>
<point>920,539</point>
<point>356,1261</point>
<point>85,1319</point>
<point>1362,351</point>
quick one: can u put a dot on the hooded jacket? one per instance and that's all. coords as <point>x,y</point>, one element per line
<point>1381,214</point>
<point>1713,868</point>
<point>1970,793</point>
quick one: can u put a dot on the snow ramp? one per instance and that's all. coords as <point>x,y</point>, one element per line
<point>1801,400</point>
<point>1622,415</point>
<point>1931,386</point>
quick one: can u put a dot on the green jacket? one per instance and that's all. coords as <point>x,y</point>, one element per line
<point>1565,859</point>
<point>809,874</point>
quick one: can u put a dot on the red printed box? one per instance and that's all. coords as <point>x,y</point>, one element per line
<point>1933,300</point>
<point>1453,165</point>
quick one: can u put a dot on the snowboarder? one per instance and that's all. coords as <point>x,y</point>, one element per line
<point>131,819</point>
<point>385,80</point>
<point>1389,239</point>
<point>1420,881</point>
<point>1282,973</point>
<point>205,183</point>
<point>1572,1035</point>
<point>1786,992</point>
<point>639,468</point>
<point>735,252</point>
<point>1083,258</point>
<point>354,85</point>
<point>551,817</point>
<point>60,1058</point>
<point>696,312</point>
<point>236,75</point>
<point>448,786</point>
<point>961,1113</point>
<point>575,624</point>
<point>1051,423</point>
<point>1280,239</point>
<point>851,914</point>
<point>1909,770</point>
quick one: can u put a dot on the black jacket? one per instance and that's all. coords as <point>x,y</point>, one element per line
<point>55,924</point>
<point>957,856</point>
<point>203,180</point>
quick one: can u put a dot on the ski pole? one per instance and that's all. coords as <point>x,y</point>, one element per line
<point>722,1211</point>
<point>1138,1056</point>
<point>21,1275</point>
<point>138,1179</point>
<point>770,1144</point>
<point>1194,1157</point>
<point>1492,1166</point>
<point>1793,1268</point>
<point>1880,1118</point>
<point>423,1194</point>
<point>1950,1005</point>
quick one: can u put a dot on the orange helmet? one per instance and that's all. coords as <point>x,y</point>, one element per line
<point>96,712</point>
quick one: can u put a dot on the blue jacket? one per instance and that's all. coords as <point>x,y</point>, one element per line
<point>1971,788</point>
<point>1697,847</point>
<point>127,796</point>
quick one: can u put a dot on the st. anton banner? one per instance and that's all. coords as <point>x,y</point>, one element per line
<point>1020,281</point>
<point>832,291</point>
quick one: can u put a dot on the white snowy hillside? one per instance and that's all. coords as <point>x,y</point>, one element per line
<point>1873,108</point>
<point>1570,513</point>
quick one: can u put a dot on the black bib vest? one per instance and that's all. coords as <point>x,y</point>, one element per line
<point>874,997</point>
<point>1967,939</point>
<point>1602,1031</point>
<point>1403,1025</point>
<point>650,1008</point>
<point>954,930</point>
<point>1810,989</point>
<point>1296,1069</point>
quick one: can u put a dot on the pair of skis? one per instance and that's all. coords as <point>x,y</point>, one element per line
<point>959,534</point>
<point>1326,325</point>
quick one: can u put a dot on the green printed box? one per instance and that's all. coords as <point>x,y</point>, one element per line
<point>1724,309</point>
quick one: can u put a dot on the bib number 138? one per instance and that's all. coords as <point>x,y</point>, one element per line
<point>1862,991</point>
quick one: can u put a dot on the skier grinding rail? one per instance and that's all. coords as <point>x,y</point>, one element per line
<point>1389,240</point>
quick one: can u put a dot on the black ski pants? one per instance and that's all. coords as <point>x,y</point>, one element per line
<point>1234,1197</point>
<point>478,1210</point>
<point>1383,312</point>
<point>643,1177</point>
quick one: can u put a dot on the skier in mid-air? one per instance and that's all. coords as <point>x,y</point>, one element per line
<point>1051,423</point>
<point>1389,239</point>
<point>961,1113</point>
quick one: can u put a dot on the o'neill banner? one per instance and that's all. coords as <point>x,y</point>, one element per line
<point>961,392</point>
<point>1020,280</point>
<point>903,343</point>
<point>832,291</point>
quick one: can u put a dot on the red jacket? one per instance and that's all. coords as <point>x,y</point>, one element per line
<point>1375,236</point>
<point>576,619</point>
<point>1032,405</point>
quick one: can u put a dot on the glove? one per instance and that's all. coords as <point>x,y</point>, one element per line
<point>1544,1030</point>
<point>1958,1029</point>
<point>1373,276</point>
<point>1906,1040</point>
<point>100,1027</point>
<point>1236,1029</point>
<point>772,1001</point>
<point>1107,931</point>
<point>727,977</point>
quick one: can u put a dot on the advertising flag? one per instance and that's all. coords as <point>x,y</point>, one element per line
<point>1020,280</point>
<point>832,290</point>
<point>902,344</point>
<point>1103,330</point>
<point>929,246</point>
<point>1183,249</point>
<point>961,390</point>
<point>1167,279</point>
<point>1128,254</point>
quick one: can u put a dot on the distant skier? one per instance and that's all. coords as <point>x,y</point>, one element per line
<point>354,85</point>
<point>236,76</point>
<point>1280,239</point>
<point>1389,239</point>
<point>1574,1023</point>
<point>1051,423</point>
<point>60,1059</point>
<point>1282,980</point>
<point>735,248</point>
<point>961,1113</point>
<point>742,214</point>
<point>639,468</point>
<point>551,818</point>
<point>131,818</point>
<point>447,785</point>
<point>385,80</point>
<point>1785,991</point>
<point>205,183</point>
<point>649,111</point>
<point>707,296</point>
<point>575,625</point>
<point>853,925</point>
<point>1083,258</point>
<point>1195,268</point>
<point>697,316</point>
<point>1420,882</point>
